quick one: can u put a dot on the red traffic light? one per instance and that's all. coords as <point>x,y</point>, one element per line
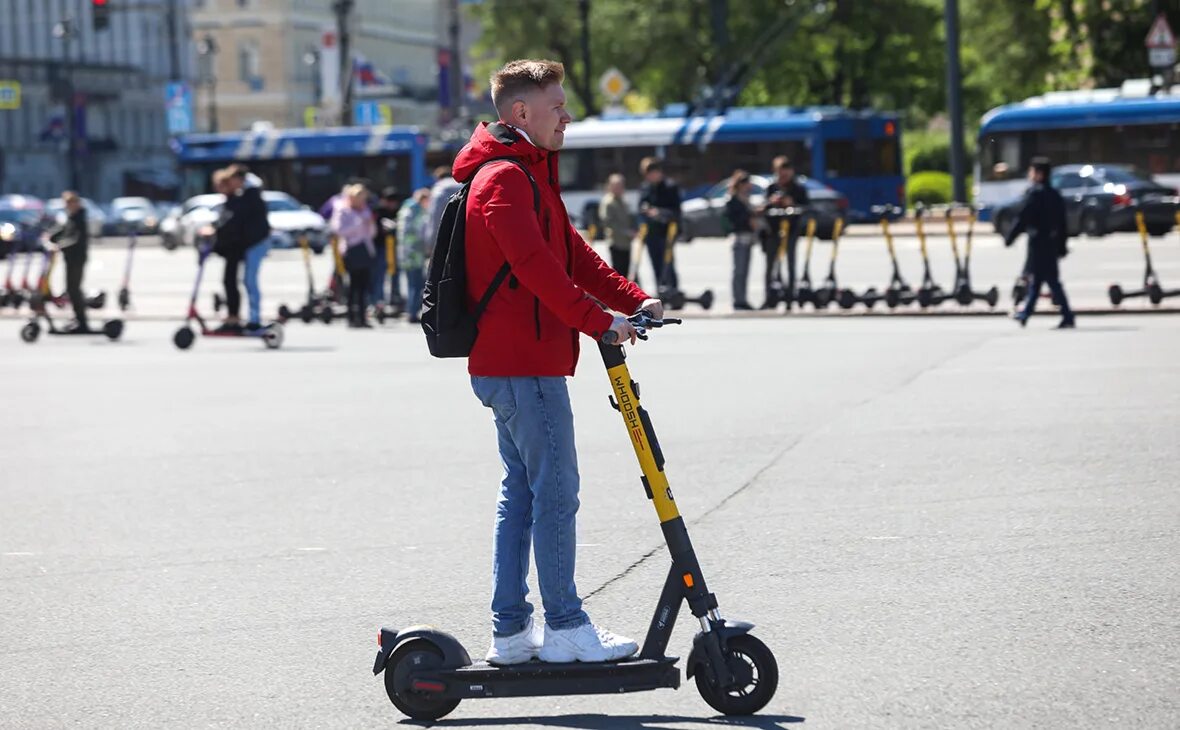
<point>101,12</point>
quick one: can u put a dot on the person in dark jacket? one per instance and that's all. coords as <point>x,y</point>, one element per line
<point>72,238</point>
<point>386,216</point>
<point>243,235</point>
<point>527,347</point>
<point>1043,218</point>
<point>659,206</point>
<point>737,220</point>
<point>785,192</point>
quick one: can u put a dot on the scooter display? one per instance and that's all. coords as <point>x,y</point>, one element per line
<point>829,291</point>
<point>670,295</point>
<point>962,291</point>
<point>898,292</point>
<point>1152,289</point>
<point>271,334</point>
<point>112,329</point>
<point>929,292</point>
<point>428,672</point>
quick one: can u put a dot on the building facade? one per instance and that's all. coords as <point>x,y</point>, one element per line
<point>261,61</point>
<point>63,78</point>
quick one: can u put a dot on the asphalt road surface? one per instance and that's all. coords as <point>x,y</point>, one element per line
<point>933,522</point>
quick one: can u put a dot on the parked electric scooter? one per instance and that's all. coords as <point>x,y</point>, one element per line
<point>962,291</point>
<point>929,293</point>
<point>898,292</point>
<point>804,294</point>
<point>125,289</point>
<point>428,672</point>
<point>1152,289</point>
<point>829,291</point>
<point>670,295</point>
<point>271,334</point>
<point>308,311</point>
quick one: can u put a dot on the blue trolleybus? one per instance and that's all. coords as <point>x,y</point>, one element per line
<point>1111,126</point>
<point>855,152</point>
<point>310,164</point>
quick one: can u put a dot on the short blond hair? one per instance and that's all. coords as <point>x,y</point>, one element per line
<point>518,78</point>
<point>69,196</point>
<point>355,190</point>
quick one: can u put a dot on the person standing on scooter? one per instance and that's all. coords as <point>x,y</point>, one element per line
<point>618,223</point>
<point>72,238</point>
<point>659,206</point>
<point>1043,218</point>
<point>353,224</point>
<point>412,222</point>
<point>527,347</point>
<point>785,192</point>
<point>737,221</point>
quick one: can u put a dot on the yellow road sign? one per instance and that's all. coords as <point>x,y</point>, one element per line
<point>9,94</point>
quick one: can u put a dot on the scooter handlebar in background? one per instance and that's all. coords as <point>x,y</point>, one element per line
<point>642,321</point>
<point>884,211</point>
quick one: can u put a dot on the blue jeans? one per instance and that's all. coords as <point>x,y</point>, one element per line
<point>538,498</point>
<point>254,256</point>
<point>415,280</point>
<point>377,288</point>
<point>1034,293</point>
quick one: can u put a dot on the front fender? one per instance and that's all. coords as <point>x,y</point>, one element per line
<point>724,630</point>
<point>454,655</point>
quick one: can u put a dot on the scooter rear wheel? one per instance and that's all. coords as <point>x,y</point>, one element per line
<point>184,337</point>
<point>414,656</point>
<point>113,329</point>
<point>756,670</point>
<point>273,336</point>
<point>30,332</point>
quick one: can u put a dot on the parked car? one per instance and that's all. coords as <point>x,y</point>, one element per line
<point>134,215</point>
<point>20,228</point>
<point>1100,199</point>
<point>288,220</point>
<point>702,216</point>
<point>169,228</point>
<point>96,217</point>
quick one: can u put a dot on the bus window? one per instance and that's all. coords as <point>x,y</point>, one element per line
<point>999,157</point>
<point>861,158</point>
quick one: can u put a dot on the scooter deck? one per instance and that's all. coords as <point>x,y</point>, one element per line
<point>536,678</point>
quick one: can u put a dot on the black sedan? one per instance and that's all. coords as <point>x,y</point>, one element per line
<point>702,216</point>
<point>1100,199</point>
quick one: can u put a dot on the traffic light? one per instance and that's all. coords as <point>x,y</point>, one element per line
<point>101,10</point>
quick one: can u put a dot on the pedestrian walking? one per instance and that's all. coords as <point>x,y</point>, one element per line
<point>785,192</point>
<point>737,221</point>
<point>618,223</point>
<point>1042,217</point>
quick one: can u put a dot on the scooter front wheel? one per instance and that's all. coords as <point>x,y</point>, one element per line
<point>756,671</point>
<point>408,659</point>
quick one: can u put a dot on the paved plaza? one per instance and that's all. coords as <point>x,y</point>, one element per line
<point>936,522</point>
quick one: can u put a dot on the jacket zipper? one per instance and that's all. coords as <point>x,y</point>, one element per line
<point>537,315</point>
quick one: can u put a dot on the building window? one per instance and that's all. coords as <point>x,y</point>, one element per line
<point>248,62</point>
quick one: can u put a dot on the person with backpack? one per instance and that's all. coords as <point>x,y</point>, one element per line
<point>533,285</point>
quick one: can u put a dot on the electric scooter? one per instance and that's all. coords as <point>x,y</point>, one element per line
<point>125,289</point>
<point>311,307</point>
<point>929,292</point>
<point>271,334</point>
<point>1152,289</point>
<point>428,672</point>
<point>777,291</point>
<point>829,291</point>
<point>962,291</point>
<point>111,329</point>
<point>898,292</point>
<point>670,295</point>
<point>804,294</point>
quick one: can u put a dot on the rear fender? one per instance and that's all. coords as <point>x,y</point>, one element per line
<point>454,655</point>
<point>697,658</point>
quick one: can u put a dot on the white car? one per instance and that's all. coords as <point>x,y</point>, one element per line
<point>288,219</point>
<point>138,215</point>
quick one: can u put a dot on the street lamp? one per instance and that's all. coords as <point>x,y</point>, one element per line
<point>66,31</point>
<point>311,59</point>
<point>207,50</point>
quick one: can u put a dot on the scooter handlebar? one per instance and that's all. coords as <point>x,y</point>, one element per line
<point>642,321</point>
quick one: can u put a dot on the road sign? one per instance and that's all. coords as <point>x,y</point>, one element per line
<point>613,84</point>
<point>9,95</point>
<point>178,103</point>
<point>371,114</point>
<point>1161,43</point>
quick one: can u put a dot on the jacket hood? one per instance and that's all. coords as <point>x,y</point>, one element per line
<point>493,140</point>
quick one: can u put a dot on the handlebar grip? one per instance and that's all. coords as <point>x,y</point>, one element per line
<point>610,337</point>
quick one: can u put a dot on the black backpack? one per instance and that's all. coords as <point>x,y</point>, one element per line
<point>450,328</point>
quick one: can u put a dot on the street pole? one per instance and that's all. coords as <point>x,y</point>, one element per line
<point>456,70</point>
<point>207,50</point>
<point>65,31</point>
<point>343,10</point>
<point>954,84</point>
<point>173,43</point>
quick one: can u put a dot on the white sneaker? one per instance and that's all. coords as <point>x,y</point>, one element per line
<point>586,643</point>
<point>518,648</point>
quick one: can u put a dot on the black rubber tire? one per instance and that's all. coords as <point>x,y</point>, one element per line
<point>30,332</point>
<point>326,314</point>
<point>759,662</point>
<point>706,300</point>
<point>273,336</point>
<point>1116,294</point>
<point>1155,293</point>
<point>1091,225</point>
<point>411,704</point>
<point>992,297</point>
<point>113,329</point>
<point>284,312</point>
<point>184,338</point>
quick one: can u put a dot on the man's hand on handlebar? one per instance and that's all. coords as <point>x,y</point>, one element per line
<point>653,307</point>
<point>621,330</point>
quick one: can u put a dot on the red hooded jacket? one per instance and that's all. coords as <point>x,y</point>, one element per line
<point>531,325</point>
